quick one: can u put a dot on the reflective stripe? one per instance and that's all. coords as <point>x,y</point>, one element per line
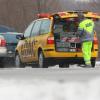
<point>86,28</point>
<point>87,25</point>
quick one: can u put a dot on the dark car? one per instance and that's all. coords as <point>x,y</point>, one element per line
<point>10,45</point>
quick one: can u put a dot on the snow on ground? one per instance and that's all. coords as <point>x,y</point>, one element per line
<point>49,90</point>
<point>38,89</point>
<point>98,63</point>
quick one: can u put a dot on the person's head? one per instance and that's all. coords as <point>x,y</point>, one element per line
<point>81,16</point>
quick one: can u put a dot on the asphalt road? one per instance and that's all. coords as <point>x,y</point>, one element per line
<point>74,73</point>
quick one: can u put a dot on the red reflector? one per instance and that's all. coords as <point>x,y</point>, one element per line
<point>2,43</point>
<point>50,40</point>
<point>95,41</point>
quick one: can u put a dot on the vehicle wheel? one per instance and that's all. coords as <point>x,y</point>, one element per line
<point>18,62</point>
<point>2,65</point>
<point>42,63</point>
<point>93,62</point>
<point>35,66</point>
<point>63,65</point>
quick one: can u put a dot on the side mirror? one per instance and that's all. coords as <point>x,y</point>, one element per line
<point>20,37</point>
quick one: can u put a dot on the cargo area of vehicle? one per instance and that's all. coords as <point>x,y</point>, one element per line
<point>66,35</point>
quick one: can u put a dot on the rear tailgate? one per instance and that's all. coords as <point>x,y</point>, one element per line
<point>66,34</point>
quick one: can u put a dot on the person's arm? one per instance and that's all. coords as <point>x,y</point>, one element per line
<point>80,30</point>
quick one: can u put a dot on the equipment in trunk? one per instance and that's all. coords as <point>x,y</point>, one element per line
<point>65,36</point>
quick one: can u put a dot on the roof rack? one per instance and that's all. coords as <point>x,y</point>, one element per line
<point>79,11</point>
<point>57,15</point>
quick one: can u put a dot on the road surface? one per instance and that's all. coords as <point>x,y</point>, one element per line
<point>51,83</point>
<point>74,73</point>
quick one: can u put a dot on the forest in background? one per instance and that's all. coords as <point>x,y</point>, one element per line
<point>19,13</point>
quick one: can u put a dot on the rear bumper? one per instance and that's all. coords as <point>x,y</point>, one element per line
<point>55,54</point>
<point>54,57</point>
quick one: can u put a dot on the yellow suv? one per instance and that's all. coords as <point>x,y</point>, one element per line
<point>53,39</point>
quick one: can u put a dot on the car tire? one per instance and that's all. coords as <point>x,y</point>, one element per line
<point>42,62</point>
<point>2,65</point>
<point>35,66</point>
<point>18,63</point>
<point>63,65</point>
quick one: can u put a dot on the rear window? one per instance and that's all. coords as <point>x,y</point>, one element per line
<point>10,38</point>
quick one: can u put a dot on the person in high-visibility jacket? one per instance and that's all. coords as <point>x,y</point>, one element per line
<point>86,33</point>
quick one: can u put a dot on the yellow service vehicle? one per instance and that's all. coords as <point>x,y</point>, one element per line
<point>52,39</point>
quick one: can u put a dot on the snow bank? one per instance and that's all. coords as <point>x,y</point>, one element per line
<point>97,63</point>
<point>49,90</point>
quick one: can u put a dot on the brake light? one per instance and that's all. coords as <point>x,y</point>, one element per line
<point>2,43</point>
<point>50,40</point>
<point>95,41</point>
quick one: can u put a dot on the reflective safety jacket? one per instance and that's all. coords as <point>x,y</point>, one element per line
<point>86,30</point>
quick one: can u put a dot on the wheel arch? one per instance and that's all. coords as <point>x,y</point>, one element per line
<point>39,50</point>
<point>16,52</point>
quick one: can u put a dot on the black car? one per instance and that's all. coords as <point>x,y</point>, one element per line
<point>10,44</point>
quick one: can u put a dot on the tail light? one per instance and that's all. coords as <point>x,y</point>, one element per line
<point>2,43</point>
<point>50,40</point>
<point>95,41</point>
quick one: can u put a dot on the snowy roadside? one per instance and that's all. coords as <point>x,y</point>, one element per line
<point>37,89</point>
<point>49,90</point>
<point>97,63</point>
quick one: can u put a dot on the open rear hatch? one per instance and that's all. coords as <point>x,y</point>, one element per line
<point>66,35</point>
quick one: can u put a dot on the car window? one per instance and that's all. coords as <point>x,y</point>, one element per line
<point>28,30</point>
<point>10,38</point>
<point>36,28</point>
<point>45,26</point>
